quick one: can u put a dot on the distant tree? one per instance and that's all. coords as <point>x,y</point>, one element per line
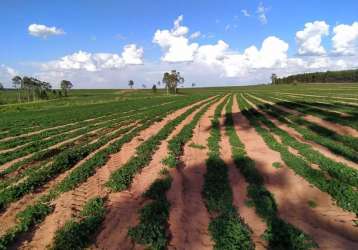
<point>154,88</point>
<point>27,84</point>
<point>158,83</point>
<point>144,86</point>
<point>344,76</point>
<point>66,86</point>
<point>193,84</point>
<point>273,78</point>
<point>1,86</point>
<point>17,84</point>
<point>131,83</point>
<point>171,81</point>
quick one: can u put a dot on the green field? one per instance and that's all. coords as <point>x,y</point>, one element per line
<point>251,167</point>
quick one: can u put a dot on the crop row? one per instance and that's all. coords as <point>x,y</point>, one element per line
<point>21,140</point>
<point>122,178</point>
<point>345,196</point>
<point>17,123</point>
<point>62,162</point>
<point>152,229</point>
<point>350,143</point>
<point>227,228</point>
<point>323,104</point>
<point>36,146</point>
<point>39,167</point>
<point>153,217</point>
<point>350,121</point>
<point>335,169</point>
<point>34,214</point>
<point>279,234</point>
<point>45,155</point>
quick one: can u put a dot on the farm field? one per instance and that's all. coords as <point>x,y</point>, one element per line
<point>261,167</point>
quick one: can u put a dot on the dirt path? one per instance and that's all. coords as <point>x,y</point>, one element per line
<point>189,218</point>
<point>329,225</point>
<point>123,206</point>
<point>239,189</point>
<point>68,204</point>
<point>341,129</point>
<point>8,218</point>
<point>292,132</point>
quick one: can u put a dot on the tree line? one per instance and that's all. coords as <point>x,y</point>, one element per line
<point>343,76</point>
<point>32,89</point>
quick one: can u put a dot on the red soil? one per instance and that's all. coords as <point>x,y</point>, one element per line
<point>189,218</point>
<point>239,189</point>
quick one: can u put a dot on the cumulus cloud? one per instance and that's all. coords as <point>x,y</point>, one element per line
<point>209,64</point>
<point>345,39</point>
<point>177,48</point>
<point>175,44</point>
<point>93,62</point>
<point>40,30</point>
<point>310,38</point>
<point>261,13</point>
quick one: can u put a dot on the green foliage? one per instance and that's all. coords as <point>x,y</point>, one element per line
<point>152,228</point>
<point>277,165</point>
<point>230,232</point>
<point>226,228</point>
<point>279,234</point>
<point>77,234</point>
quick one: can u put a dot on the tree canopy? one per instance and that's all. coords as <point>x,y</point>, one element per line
<point>344,76</point>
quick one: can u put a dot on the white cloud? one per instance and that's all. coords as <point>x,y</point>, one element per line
<point>195,35</point>
<point>132,55</point>
<point>245,13</point>
<point>310,38</point>
<point>86,61</point>
<point>177,48</point>
<point>345,39</point>
<point>175,43</point>
<point>209,64</point>
<point>6,74</point>
<point>261,13</point>
<point>40,30</point>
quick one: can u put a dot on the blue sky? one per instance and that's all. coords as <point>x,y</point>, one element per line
<point>95,27</point>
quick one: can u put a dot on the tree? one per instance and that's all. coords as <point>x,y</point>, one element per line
<point>172,80</point>
<point>193,85</point>
<point>144,86</point>
<point>131,83</point>
<point>66,86</point>
<point>1,86</point>
<point>27,84</point>
<point>154,88</point>
<point>273,78</point>
<point>158,83</point>
<point>17,84</point>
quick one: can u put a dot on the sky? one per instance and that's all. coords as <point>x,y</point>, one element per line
<point>105,43</point>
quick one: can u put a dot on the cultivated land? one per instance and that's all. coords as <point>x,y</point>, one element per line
<point>262,167</point>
